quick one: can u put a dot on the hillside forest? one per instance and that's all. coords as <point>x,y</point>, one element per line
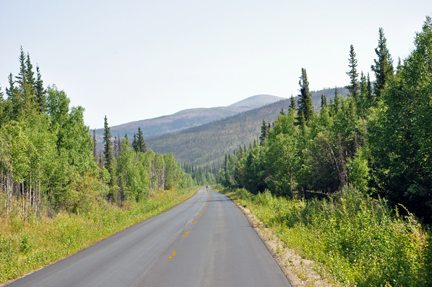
<point>376,140</point>
<point>48,161</point>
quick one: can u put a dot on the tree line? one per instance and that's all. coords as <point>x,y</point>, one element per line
<point>378,139</point>
<point>48,158</point>
<point>206,175</point>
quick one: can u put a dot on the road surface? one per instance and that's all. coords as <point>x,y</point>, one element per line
<point>204,241</point>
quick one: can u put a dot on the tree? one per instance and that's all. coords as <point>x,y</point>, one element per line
<point>353,87</point>
<point>383,67</point>
<point>305,109</point>
<point>292,105</point>
<point>40,92</point>
<point>108,153</point>
<point>135,143</point>
<point>264,132</point>
<point>323,101</point>
<point>94,145</point>
<point>140,144</point>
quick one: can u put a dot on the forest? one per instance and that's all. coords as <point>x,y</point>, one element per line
<point>377,139</point>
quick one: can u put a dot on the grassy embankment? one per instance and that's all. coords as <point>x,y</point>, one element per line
<point>357,240</point>
<point>43,240</point>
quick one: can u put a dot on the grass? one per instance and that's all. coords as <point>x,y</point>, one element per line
<point>42,240</point>
<point>357,240</point>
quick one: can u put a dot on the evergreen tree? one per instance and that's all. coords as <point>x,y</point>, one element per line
<point>140,143</point>
<point>323,101</point>
<point>29,73</point>
<point>135,143</point>
<point>94,145</point>
<point>281,113</point>
<point>40,92</point>
<point>108,153</point>
<point>383,67</point>
<point>292,105</point>
<point>370,95</point>
<point>353,87</point>
<point>305,109</point>
<point>264,132</point>
<point>9,91</point>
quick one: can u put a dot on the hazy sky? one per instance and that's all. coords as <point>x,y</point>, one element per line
<point>133,60</point>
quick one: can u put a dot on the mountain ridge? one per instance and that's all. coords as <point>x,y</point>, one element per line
<point>186,118</point>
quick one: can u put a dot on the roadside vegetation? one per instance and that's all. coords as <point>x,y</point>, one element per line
<point>353,183</point>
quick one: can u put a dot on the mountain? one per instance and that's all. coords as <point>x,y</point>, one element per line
<point>187,118</point>
<point>207,144</point>
<point>257,101</point>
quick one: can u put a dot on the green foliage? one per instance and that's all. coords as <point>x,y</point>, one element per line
<point>383,67</point>
<point>353,87</point>
<point>305,108</point>
<point>400,136</point>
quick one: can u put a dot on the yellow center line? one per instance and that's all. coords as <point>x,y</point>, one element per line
<point>193,222</point>
<point>185,233</point>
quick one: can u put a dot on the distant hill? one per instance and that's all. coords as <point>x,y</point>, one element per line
<point>187,118</point>
<point>207,144</point>
<point>257,101</point>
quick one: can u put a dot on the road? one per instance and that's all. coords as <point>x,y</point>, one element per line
<point>204,241</point>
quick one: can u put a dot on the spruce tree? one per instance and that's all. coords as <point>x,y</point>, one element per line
<point>94,145</point>
<point>292,105</point>
<point>336,100</point>
<point>29,73</point>
<point>383,67</point>
<point>370,95</point>
<point>40,92</point>
<point>9,91</point>
<point>281,113</point>
<point>135,143</point>
<point>264,130</point>
<point>141,146</point>
<point>108,152</point>
<point>323,101</point>
<point>353,87</point>
<point>305,109</point>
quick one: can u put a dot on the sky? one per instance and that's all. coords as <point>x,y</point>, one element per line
<point>137,59</point>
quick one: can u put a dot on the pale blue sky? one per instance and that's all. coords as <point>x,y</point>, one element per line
<point>132,60</point>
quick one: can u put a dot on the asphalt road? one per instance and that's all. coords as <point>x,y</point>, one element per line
<point>205,241</point>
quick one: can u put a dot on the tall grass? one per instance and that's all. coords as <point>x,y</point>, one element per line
<point>357,240</point>
<point>41,240</point>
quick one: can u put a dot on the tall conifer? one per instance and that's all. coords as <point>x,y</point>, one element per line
<point>353,87</point>
<point>305,109</point>
<point>40,92</point>
<point>292,105</point>
<point>383,67</point>
<point>108,151</point>
<point>141,146</point>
